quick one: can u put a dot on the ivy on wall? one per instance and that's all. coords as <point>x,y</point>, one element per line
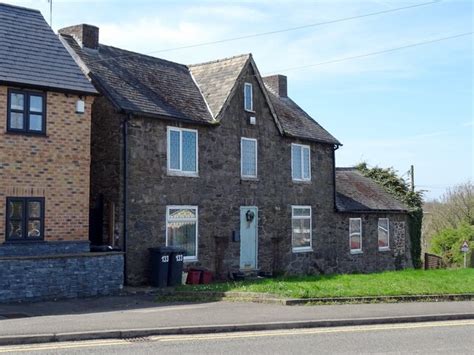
<point>397,187</point>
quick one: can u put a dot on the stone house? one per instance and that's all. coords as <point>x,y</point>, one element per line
<point>45,120</point>
<point>216,159</point>
<point>374,223</point>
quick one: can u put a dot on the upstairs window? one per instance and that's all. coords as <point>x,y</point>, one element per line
<point>248,97</point>
<point>25,218</point>
<point>26,112</point>
<point>248,152</point>
<point>355,235</point>
<point>182,151</point>
<point>300,162</point>
<point>301,238</point>
<point>383,234</point>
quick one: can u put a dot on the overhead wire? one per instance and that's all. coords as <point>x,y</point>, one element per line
<point>261,34</point>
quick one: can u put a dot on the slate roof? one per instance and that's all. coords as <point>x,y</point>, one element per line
<point>357,193</point>
<point>145,85</point>
<point>31,53</point>
<point>295,122</point>
<point>216,79</point>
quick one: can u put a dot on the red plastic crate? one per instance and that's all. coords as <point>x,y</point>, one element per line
<point>206,277</point>
<point>193,277</point>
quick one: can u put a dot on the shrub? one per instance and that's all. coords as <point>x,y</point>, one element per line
<point>447,243</point>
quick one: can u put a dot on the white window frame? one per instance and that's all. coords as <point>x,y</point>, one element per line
<point>388,234</point>
<point>302,249</point>
<point>184,207</point>
<point>355,251</point>
<point>242,158</point>
<point>168,153</point>
<point>302,164</point>
<point>246,85</point>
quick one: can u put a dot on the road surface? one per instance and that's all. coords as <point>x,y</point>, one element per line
<point>451,337</point>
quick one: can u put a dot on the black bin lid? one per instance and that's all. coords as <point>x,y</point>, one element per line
<point>166,250</point>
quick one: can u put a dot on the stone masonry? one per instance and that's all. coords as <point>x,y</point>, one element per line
<point>219,190</point>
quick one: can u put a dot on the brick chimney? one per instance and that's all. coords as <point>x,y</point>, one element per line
<point>278,84</point>
<point>87,36</point>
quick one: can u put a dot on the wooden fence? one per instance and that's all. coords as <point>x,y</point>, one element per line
<point>433,262</point>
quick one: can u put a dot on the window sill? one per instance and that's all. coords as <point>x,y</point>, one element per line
<point>24,241</point>
<point>307,182</point>
<point>384,249</point>
<point>302,250</point>
<point>29,134</point>
<point>355,252</point>
<point>190,260</point>
<point>182,174</point>
<point>249,178</point>
<point>249,111</point>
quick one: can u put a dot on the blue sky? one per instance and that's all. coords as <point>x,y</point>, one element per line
<point>413,106</point>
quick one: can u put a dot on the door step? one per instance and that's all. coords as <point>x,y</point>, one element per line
<point>245,275</point>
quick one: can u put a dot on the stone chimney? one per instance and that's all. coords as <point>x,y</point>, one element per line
<point>278,84</point>
<point>87,36</point>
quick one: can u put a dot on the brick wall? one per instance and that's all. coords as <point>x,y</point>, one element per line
<point>55,166</point>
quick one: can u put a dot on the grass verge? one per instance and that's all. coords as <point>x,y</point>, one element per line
<point>391,283</point>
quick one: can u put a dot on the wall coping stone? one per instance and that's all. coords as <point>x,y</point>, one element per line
<point>62,256</point>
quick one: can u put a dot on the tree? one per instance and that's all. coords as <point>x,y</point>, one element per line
<point>399,188</point>
<point>448,242</point>
<point>448,219</point>
<point>455,208</point>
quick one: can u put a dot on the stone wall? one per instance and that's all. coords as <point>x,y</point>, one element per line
<point>60,276</point>
<point>54,166</point>
<point>44,248</point>
<point>106,160</point>
<point>219,190</point>
<point>371,259</point>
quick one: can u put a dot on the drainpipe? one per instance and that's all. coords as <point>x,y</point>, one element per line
<point>336,147</point>
<point>125,192</point>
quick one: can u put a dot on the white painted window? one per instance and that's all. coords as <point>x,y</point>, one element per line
<point>182,151</point>
<point>182,229</point>
<point>301,236</point>
<point>248,157</point>
<point>384,234</point>
<point>355,235</point>
<point>248,97</point>
<point>300,162</point>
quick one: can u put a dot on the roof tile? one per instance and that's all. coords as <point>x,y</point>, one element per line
<point>32,54</point>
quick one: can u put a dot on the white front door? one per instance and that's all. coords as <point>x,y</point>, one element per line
<point>248,237</point>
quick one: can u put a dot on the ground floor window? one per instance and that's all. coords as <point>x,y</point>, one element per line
<point>182,229</point>
<point>25,218</point>
<point>383,234</point>
<point>355,235</point>
<point>301,228</point>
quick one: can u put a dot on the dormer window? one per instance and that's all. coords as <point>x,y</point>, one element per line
<point>248,97</point>
<point>26,112</point>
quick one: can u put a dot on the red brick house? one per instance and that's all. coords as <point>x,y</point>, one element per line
<point>45,128</point>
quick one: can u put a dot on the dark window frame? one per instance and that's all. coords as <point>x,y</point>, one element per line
<point>26,112</point>
<point>25,218</point>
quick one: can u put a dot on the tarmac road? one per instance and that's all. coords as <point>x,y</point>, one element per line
<point>450,337</point>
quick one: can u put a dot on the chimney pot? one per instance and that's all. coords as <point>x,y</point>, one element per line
<point>278,84</point>
<point>86,35</point>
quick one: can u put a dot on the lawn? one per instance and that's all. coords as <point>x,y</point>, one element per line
<point>390,283</point>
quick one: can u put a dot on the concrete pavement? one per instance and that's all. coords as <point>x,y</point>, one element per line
<point>140,315</point>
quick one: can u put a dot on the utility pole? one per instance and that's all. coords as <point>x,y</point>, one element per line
<point>50,13</point>
<point>412,178</point>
